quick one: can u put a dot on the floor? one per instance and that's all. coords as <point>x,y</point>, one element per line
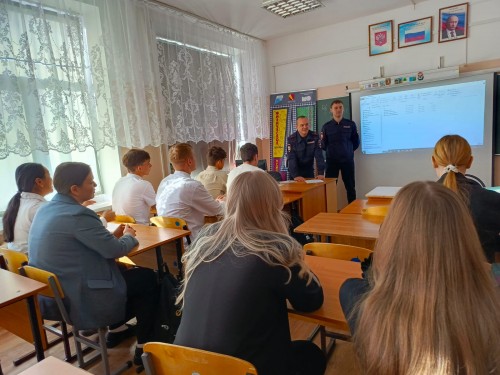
<point>342,361</point>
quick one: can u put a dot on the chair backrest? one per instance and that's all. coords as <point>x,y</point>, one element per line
<point>14,259</point>
<point>161,358</point>
<point>337,251</point>
<point>169,222</point>
<point>3,264</point>
<point>275,175</point>
<point>53,290</point>
<point>124,219</point>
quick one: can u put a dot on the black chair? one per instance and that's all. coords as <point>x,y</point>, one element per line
<point>275,175</point>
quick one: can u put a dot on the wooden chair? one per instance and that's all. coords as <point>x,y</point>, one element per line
<point>170,222</point>
<point>341,252</point>
<point>163,359</point>
<point>42,277</point>
<point>337,251</point>
<point>57,293</point>
<point>174,223</point>
<point>375,214</point>
<point>13,259</point>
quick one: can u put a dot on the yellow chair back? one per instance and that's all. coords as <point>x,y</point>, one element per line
<point>169,222</point>
<point>180,360</point>
<point>14,259</point>
<point>336,251</point>
<point>124,219</point>
<point>43,277</point>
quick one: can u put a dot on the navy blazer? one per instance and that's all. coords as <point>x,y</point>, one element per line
<point>69,240</point>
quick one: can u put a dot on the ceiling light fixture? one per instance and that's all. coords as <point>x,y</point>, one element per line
<point>287,8</point>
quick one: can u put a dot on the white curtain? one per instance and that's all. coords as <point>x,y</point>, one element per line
<point>213,80</point>
<point>50,92</point>
<point>76,74</point>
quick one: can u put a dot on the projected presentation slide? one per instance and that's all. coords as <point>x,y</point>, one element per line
<point>413,119</point>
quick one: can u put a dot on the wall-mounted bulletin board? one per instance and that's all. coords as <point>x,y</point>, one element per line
<point>285,108</point>
<point>323,110</point>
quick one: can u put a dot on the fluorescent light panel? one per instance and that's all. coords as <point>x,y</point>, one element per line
<point>286,8</point>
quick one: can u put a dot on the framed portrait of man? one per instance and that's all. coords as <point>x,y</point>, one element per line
<point>453,22</point>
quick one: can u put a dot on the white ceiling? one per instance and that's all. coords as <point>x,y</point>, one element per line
<point>247,16</point>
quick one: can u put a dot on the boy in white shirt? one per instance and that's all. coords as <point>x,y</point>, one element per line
<point>133,195</point>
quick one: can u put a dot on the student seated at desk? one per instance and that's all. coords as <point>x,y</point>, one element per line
<point>181,196</point>
<point>132,195</point>
<point>239,273</point>
<point>451,158</point>
<point>69,240</point>
<point>214,178</point>
<point>429,305</point>
<point>33,183</point>
<point>250,155</point>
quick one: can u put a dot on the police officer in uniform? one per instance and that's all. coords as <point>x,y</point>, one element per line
<point>303,147</point>
<point>339,137</point>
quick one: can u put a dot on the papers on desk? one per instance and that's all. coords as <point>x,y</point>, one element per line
<point>314,181</point>
<point>383,192</point>
<point>102,203</point>
<point>288,182</point>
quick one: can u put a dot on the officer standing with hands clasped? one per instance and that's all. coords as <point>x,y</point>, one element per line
<point>339,137</point>
<point>303,147</point>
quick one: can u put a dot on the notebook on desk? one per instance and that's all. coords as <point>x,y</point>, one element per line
<point>383,192</point>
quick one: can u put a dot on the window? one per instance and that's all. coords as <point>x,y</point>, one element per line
<point>48,105</point>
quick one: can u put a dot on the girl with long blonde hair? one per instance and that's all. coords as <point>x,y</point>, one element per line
<point>239,273</point>
<point>431,305</point>
<point>451,158</point>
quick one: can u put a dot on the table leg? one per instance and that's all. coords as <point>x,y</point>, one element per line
<point>178,246</point>
<point>34,328</point>
<point>160,262</point>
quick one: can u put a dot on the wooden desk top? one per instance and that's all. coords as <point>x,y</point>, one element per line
<point>331,274</point>
<point>16,287</point>
<point>290,197</point>
<point>301,187</point>
<point>150,237</point>
<point>53,366</point>
<point>334,224</point>
<point>357,206</point>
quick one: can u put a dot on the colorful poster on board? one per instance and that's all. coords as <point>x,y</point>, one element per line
<point>279,132</point>
<point>285,108</point>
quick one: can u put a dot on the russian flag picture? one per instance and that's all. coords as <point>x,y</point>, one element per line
<point>415,36</point>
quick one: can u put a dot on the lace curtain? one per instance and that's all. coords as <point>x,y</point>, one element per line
<point>76,74</point>
<point>212,80</point>
<point>51,91</point>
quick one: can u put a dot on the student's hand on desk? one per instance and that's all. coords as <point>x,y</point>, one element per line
<point>88,203</point>
<point>320,177</point>
<point>118,232</point>
<point>129,230</point>
<point>299,179</point>
<point>109,215</point>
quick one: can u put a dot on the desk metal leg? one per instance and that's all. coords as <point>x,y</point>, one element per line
<point>34,328</point>
<point>178,246</point>
<point>160,262</point>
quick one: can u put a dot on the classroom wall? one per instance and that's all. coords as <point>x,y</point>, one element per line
<point>338,53</point>
<point>334,57</point>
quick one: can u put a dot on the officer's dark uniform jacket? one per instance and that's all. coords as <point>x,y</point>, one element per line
<point>340,140</point>
<point>301,155</point>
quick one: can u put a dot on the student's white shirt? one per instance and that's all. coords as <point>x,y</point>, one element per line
<point>134,196</point>
<point>181,196</point>
<point>28,206</point>
<point>239,170</point>
<point>214,181</point>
